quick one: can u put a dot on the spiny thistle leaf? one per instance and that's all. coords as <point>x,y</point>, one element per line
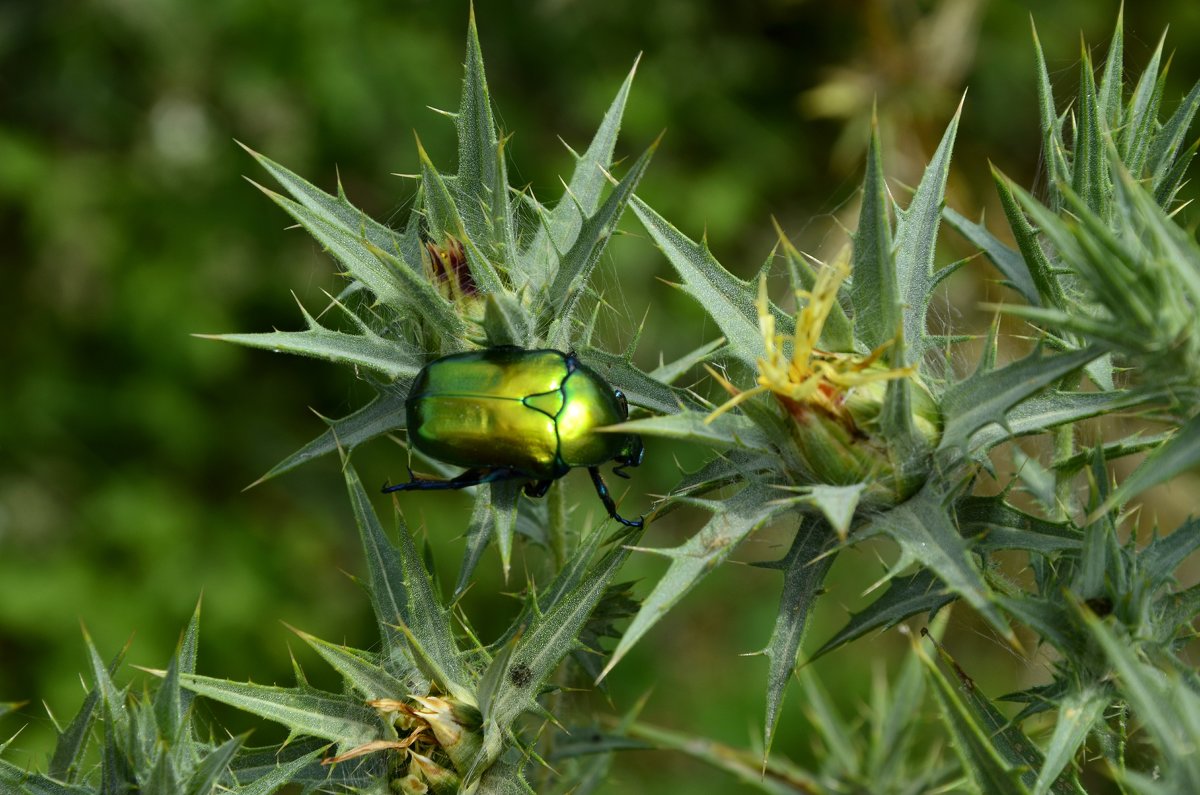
<point>577,263</point>
<point>384,413</point>
<point>1052,408</point>
<point>172,705</point>
<point>582,196</point>
<point>444,222</point>
<point>647,390</point>
<point>992,524</point>
<point>804,569</point>
<point>1089,173</point>
<point>1049,289</point>
<point>926,533</point>
<point>402,588</point>
<point>1078,714</point>
<point>915,239</point>
<point>919,592</point>
<point>1176,455</point>
<point>72,741</point>
<point>726,431</point>
<point>383,273</point>
<point>874,292</point>
<point>1053,148</point>
<point>551,636</point>
<point>340,719</point>
<point>391,358</point>
<point>779,778</point>
<point>990,768</point>
<point>361,670</point>
<point>987,398</point>
<point>1009,262</point>
<point>732,520</point>
<point>337,209</point>
<point>482,181</point>
<point>280,774</point>
<point>727,299</point>
<point>1164,703</point>
<point>23,782</point>
<point>213,768</point>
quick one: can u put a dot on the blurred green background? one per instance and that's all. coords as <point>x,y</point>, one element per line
<point>125,443</point>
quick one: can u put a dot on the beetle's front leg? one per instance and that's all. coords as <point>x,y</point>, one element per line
<point>606,498</point>
<point>472,477</point>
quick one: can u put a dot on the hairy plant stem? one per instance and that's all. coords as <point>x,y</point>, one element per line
<point>556,527</point>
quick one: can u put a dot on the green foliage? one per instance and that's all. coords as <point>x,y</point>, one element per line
<point>850,420</point>
<point>148,742</point>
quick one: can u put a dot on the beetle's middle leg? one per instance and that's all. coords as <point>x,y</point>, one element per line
<point>606,498</point>
<point>472,477</point>
<point>537,488</point>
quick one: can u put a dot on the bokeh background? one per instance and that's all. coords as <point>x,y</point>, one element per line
<point>125,226</point>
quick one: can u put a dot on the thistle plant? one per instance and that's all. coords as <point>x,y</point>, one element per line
<point>151,742</point>
<point>848,417</point>
<point>478,265</point>
<point>860,429</point>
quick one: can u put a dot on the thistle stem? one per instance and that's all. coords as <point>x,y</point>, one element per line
<point>556,527</point>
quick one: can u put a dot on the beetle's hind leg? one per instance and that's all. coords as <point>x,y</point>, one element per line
<point>472,477</point>
<point>606,498</point>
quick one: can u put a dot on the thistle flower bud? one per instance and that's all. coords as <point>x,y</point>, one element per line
<point>834,403</point>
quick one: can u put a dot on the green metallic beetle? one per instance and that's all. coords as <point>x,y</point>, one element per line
<point>507,413</point>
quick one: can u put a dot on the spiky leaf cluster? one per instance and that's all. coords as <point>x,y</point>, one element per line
<point>929,432</point>
<point>436,707</point>
<point>477,264</point>
<point>1103,260</point>
<point>124,741</point>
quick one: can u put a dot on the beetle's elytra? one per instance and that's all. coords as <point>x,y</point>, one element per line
<point>507,413</point>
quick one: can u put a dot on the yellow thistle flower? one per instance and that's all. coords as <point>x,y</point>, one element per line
<point>834,399</point>
<point>811,379</point>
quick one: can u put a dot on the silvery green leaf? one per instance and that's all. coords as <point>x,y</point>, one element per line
<point>990,770</point>
<point>213,767</point>
<point>1078,713</point>
<point>920,592</point>
<point>874,292</point>
<point>728,300</point>
<point>804,569</point>
<point>361,670</point>
<point>925,530</point>
<point>1176,455</point>
<point>278,774</point>
<point>391,281</point>
<point>340,719</point>
<point>987,398</point>
<point>670,372</point>
<point>582,195</point>
<point>647,390</point>
<point>337,209</point>
<point>72,741</point>
<point>725,432</point>
<point>384,413</point>
<point>549,637</point>
<point>401,583</point>
<point>1167,707</point>
<point>24,782</point>
<point>915,241</point>
<point>576,264</point>
<point>1008,261</point>
<point>392,358</point>
<point>732,520</point>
